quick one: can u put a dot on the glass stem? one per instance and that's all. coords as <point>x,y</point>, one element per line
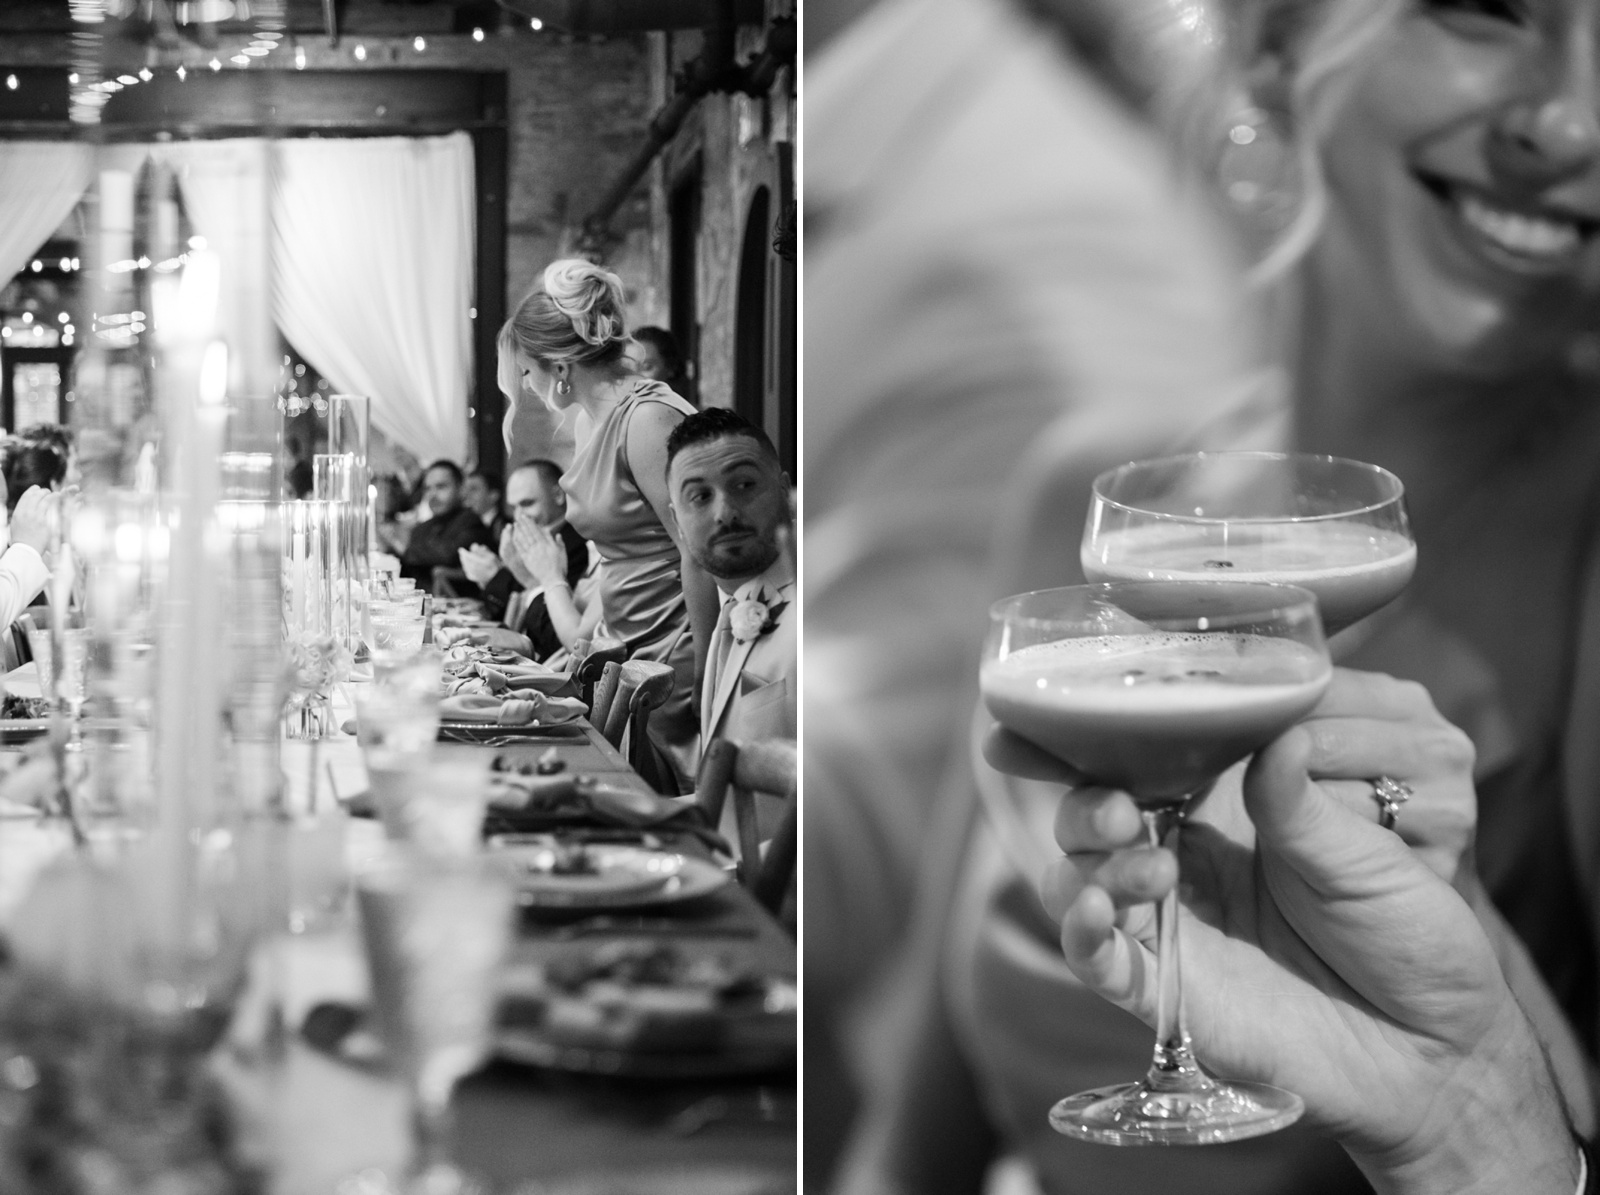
<point>430,1127</point>
<point>1173,1068</point>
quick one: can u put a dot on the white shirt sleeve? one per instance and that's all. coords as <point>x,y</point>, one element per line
<point>22,577</point>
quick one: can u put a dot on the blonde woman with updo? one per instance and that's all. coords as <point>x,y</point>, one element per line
<point>568,343</point>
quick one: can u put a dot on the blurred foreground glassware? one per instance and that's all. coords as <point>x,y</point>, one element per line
<point>397,715</point>
<point>437,805</point>
<point>318,882</point>
<point>435,933</point>
<point>110,1006</point>
<point>316,657</point>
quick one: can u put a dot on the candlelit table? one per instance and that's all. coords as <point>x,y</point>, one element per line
<point>518,1125</point>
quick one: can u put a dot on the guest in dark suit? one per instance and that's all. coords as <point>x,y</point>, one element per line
<point>483,492</point>
<point>437,543</point>
<point>511,591</point>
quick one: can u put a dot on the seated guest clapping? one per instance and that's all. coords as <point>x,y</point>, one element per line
<point>538,606</point>
<point>23,568</point>
<point>437,542</point>
<point>730,502</point>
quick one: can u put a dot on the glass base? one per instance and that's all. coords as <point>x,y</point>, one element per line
<point>1135,1114</point>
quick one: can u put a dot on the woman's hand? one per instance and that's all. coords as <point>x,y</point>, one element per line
<point>1323,956</point>
<point>543,554</point>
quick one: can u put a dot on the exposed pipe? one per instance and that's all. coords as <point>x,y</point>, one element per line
<point>714,69</point>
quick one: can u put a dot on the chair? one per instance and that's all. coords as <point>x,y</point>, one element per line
<point>768,766</point>
<point>589,660</point>
<point>622,706</point>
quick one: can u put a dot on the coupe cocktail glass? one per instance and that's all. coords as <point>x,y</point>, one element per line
<point>1157,688</point>
<point>1336,527</point>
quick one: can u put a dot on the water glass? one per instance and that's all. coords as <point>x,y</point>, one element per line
<point>436,806</point>
<point>44,657</point>
<point>435,933</point>
<point>318,881</point>
<point>396,634</point>
<point>397,715</point>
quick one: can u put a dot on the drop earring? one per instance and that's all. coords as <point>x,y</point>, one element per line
<point>1258,173</point>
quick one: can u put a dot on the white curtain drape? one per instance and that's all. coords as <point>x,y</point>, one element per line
<point>40,183</point>
<point>373,239</point>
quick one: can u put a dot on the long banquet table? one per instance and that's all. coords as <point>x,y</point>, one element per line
<point>522,1128</point>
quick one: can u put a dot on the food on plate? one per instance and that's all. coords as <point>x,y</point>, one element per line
<point>631,995</point>
<point>14,705</point>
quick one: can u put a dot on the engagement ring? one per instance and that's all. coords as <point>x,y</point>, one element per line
<point>1390,795</point>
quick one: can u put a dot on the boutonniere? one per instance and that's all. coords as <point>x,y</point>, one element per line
<point>753,618</point>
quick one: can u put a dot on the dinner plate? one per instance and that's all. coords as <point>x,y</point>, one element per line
<point>750,1040</point>
<point>452,730</point>
<point>627,877</point>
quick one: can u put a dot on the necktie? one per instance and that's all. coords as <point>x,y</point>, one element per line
<point>721,645</point>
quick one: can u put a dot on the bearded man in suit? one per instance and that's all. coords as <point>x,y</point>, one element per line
<point>729,499</point>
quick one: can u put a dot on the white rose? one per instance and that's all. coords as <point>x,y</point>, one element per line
<point>748,620</point>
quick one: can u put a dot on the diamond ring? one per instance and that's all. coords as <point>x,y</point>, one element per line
<point>1390,795</point>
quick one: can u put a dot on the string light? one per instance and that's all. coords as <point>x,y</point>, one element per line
<point>63,317</point>
<point>127,80</point>
<point>11,83</point>
<point>37,265</point>
<point>361,53</point>
<point>536,24</point>
<point>73,78</point>
<point>299,58</point>
<point>215,64</point>
<point>182,74</point>
<point>420,44</point>
<point>477,34</point>
<point>146,74</point>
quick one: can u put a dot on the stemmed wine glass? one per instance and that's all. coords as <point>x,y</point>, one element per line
<point>1157,688</point>
<point>1334,526</point>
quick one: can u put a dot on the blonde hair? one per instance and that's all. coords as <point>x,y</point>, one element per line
<point>576,315</point>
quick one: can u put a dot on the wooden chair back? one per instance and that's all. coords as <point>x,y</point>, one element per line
<point>589,660</point>
<point>768,766</point>
<point>604,695</point>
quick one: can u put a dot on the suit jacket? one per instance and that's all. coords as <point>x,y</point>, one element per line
<point>754,693</point>
<point>436,543</point>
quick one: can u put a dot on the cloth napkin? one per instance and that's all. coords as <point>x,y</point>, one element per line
<point>515,707</point>
<point>501,677</point>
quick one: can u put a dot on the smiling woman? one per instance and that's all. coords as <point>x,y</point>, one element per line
<point>1441,321</point>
